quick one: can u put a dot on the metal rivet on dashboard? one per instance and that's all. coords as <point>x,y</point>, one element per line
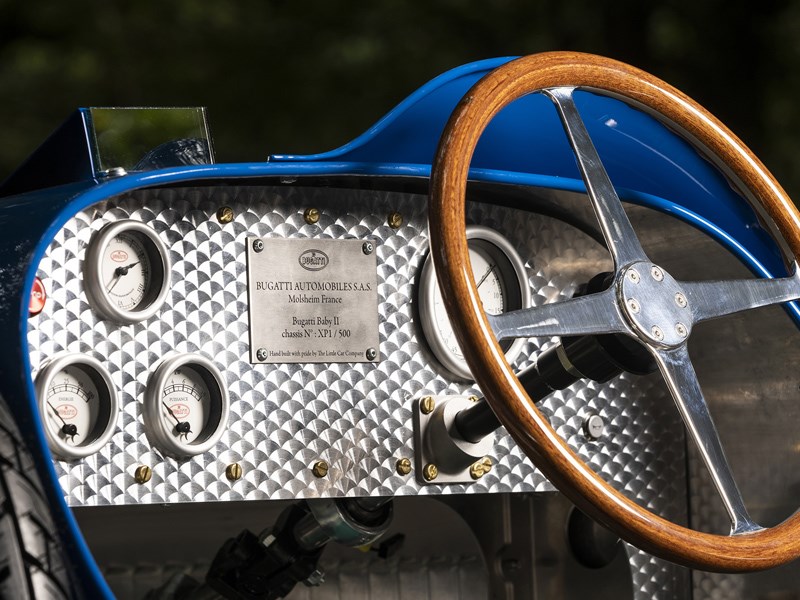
<point>427,404</point>
<point>371,353</point>
<point>395,219</point>
<point>225,214</point>
<point>367,247</point>
<point>593,426</point>
<point>474,399</point>
<point>430,472</point>
<point>258,245</point>
<point>657,333</point>
<point>320,468</point>
<point>633,275</point>
<point>681,330</point>
<point>142,474</point>
<point>311,215</point>
<point>261,354</point>
<point>680,300</point>
<point>633,305</point>
<point>403,466</point>
<point>233,472</point>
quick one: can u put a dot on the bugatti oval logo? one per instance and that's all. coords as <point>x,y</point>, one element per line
<point>313,260</point>
<point>181,411</point>
<point>66,411</point>
<point>119,256</point>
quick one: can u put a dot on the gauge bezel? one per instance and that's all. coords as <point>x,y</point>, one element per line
<point>513,273</point>
<point>107,398</point>
<point>160,435</point>
<point>160,277</point>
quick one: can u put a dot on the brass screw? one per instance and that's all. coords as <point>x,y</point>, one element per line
<point>233,472</point>
<point>403,466</point>
<point>427,404</point>
<point>395,219</point>
<point>430,472</point>
<point>311,216</point>
<point>480,468</point>
<point>473,398</point>
<point>142,474</point>
<point>320,468</point>
<point>225,214</point>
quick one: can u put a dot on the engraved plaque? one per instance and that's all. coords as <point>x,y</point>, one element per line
<point>312,301</point>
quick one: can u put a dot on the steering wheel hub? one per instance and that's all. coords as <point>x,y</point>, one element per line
<point>654,304</point>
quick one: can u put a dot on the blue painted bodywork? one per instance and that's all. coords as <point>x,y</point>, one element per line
<point>525,145</point>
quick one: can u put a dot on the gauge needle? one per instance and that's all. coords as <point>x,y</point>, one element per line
<point>120,272</point>
<point>69,429</point>
<point>181,426</point>
<point>485,275</point>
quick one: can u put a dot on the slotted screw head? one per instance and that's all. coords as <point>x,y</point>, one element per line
<point>403,466</point>
<point>233,472</point>
<point>395,220</point>
<point>225,214</point>
<point>142,474</point>
<point>427,404</point>
<point>320,468</point>
<point>480,468</point>
<point>430,472</point>
<point>311,215</point>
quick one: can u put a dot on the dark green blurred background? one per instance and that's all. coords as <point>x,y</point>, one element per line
<point>281,76</point>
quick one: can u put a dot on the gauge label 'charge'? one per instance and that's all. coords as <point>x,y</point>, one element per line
<point>312,301</point>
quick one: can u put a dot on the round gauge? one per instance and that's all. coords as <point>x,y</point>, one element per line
<point>502,285</point>
<point>78,404</point>
<point>126,272</point>
<point>185,405</point>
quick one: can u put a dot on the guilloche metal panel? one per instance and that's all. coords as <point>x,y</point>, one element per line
<point>355,416</point>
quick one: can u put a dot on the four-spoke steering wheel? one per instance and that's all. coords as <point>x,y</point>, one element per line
<point>644,301</point>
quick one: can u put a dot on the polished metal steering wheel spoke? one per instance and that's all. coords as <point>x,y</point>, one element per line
<point>714,299</point>
<point>584,315</point>
<point>616,227</point>
<point>678,372</point>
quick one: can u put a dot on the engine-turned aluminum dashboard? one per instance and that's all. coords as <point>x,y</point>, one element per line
<point>354,416</point>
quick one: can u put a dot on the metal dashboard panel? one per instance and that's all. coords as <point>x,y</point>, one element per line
<point>355,416</point>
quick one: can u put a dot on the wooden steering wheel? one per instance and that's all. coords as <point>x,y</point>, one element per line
<point>644,301</point>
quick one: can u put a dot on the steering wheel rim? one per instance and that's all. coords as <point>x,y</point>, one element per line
<point>749,547</point>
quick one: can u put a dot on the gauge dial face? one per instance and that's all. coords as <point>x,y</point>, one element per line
<point>492,291</point>
<point>72,406</point>
<point>78,404</point>
<point>126,272</point>
<point>502,284</point>
<point>185,405</point>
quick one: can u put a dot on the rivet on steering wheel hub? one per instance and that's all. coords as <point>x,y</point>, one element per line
<point>654,304</point>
